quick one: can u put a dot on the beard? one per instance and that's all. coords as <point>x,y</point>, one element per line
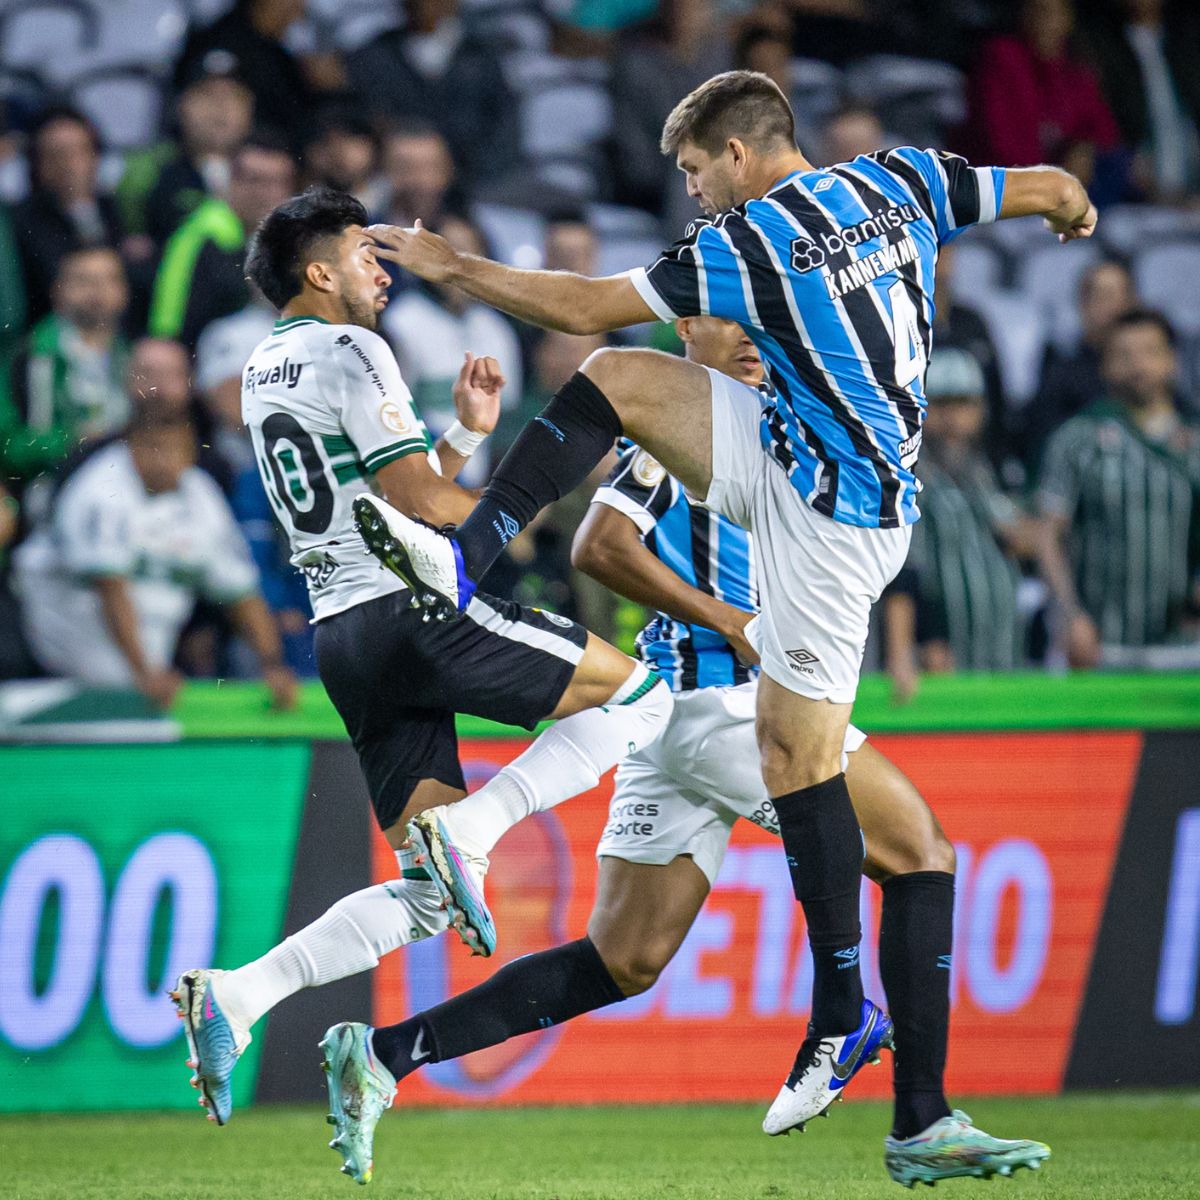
<point>361,313</point>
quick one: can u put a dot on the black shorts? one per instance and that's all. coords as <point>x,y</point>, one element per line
<point>397,683</point>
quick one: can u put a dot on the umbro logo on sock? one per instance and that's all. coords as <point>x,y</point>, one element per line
<point>848,958</point>
<point>507,527</point>
<point>554,429</point>
<point>418,1051</point>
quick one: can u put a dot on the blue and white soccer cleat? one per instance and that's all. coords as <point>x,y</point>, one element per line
<point>822,1069</point>
<point>953,1147</point>
<point>361,1088</point>
<point>426,559</point>
<point>458,876</point>
<point>216,1043</point>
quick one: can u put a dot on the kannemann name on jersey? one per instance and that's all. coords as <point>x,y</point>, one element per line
<point>326,407</point>
<point>831,273</point>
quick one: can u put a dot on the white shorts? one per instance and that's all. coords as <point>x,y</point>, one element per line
<point>817,578</point>
<point>683,793</point>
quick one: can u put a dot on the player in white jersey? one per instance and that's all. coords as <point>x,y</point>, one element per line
<point>329,416</point>
<point>138,532</point>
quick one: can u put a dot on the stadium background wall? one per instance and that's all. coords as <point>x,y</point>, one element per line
<point>1077,948</point>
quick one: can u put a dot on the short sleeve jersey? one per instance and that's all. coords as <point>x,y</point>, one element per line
<point>831,273</point>
<point>326,408</point>
<point>702,548</point>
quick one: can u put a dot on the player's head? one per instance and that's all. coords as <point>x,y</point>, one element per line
<point>726,134</point>
<point>162,448</point>
<point>722,345</point>
<point>313,246</point>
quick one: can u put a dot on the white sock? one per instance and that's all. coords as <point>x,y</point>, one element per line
<point>568,758</point>
<point>351,937</point>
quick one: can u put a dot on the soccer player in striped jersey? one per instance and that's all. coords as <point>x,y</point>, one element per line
<point>676,802</point>
<point>830,272</point>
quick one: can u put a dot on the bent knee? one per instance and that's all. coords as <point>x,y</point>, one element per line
<point>636,970</point>
<point>926,849</point>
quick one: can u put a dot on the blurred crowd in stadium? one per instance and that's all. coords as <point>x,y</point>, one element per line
<point>142,140</point>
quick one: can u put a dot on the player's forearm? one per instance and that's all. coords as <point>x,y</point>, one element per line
<point>1044,192</point>
<point>120,619</point>
<point>632,571</point>
<point>552,299</point>
<point>253,620</point>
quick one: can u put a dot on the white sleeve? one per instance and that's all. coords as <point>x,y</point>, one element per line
<point>229,572</point>
<point>377,412</point>
<point>92,525</point>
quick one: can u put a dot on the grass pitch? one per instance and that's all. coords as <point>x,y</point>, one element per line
<point>1106,1147</point>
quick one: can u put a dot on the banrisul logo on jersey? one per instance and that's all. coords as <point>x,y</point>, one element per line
<point>119,868</point>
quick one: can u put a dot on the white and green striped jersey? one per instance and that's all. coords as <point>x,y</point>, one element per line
<point>326,408</point>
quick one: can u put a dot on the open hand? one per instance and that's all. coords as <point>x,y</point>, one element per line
<point>424,254</point>
<point>477,393</point>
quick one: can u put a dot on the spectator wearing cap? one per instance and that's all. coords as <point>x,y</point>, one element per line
<point>250,39</point>
<point>1118,496</point>
<point>65,387</point>
<point>431,327</point>
<point>434,69</point>
<point>955,603</point>
<point>341,151</point>
<point>161,186</point>
<point>960,327</point>
<point>1071,378</point>
<point>138,534</point>
<point>65,210</point>
<point>200,277</point>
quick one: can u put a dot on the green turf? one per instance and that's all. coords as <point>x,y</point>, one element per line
<point>1106,1147</point>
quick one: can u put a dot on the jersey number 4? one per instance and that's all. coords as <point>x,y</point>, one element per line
<point>906,336</point>
<point>298,472</point>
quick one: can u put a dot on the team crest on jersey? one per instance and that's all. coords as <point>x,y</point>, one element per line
<point>554,618</point>
<point>393,418</point>
<point>647,470</point>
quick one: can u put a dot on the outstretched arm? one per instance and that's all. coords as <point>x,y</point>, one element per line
<point>552,299</point>
<point>1051,193</point>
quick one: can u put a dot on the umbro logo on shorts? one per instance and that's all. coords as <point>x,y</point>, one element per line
<point>802,660</point>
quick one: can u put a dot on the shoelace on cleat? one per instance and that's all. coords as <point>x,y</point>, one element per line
<point>806,1058</point>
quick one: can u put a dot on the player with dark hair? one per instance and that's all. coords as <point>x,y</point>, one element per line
<point>329,414</point>
<point>831,273</point>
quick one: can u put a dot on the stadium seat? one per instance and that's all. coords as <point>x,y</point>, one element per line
<point>1130,227</point>
<point>1049,275</point>
<point>125,103</point>
<point>49,36</point>
<point>619,220</point>
<point>509,24</point>
<point>514,235</point>
<point>1018,331</point>
<point>619,254</point>
<point>1166,276</point>
<point>348,24</point>
<point>978,267</point>
<point>919,98</point>
<point>816,91</point>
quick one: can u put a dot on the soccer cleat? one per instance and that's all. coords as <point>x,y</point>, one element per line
<point>953,1147</point>
<point>427,560</point>
<point>360,1089</point>
<point>458,876</point>
<point>822,1069</point>
<point>215,1042</point>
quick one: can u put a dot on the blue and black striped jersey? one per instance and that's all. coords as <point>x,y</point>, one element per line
<point>704,549</point>
<point>831,273</point>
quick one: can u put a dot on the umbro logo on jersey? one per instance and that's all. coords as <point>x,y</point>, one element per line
<point>825,184</point>
<point>802,660</point>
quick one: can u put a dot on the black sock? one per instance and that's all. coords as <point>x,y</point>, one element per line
<point>552,456</point>
<point>530,993</point>
<point>824,851</point>
<point>916,933</point>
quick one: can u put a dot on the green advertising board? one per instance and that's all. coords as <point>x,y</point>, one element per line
<point>119,867</point>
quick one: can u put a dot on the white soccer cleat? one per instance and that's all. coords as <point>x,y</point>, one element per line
<point>822,1069</point>
<point>457,871</point>
<point>427,560</point>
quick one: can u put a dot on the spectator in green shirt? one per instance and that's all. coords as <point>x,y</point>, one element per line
<point>65,385</point>
<point>200,277</point>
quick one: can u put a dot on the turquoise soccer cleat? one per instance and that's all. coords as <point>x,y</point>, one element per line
<point>453,872</point>
<point>215,1042</point>
<point>360,1089</point>
<point>953,1147</point>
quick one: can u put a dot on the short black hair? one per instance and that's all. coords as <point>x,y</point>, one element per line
<point>736,104</point>
<point>1135,318</point>
<point>282,246</point>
